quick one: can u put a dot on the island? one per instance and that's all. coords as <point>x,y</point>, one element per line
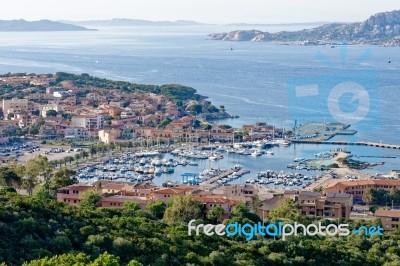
<point>40,25</point>
<point>125,22</point>
<point>379,29</point>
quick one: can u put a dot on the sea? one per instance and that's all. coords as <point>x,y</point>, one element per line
<point>254,80</point>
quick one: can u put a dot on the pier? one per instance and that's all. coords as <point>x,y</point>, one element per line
<point>359,143</point>
<point>212,182</point>
<point>218,177</point>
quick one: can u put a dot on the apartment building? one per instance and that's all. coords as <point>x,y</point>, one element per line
<point>331,205</point>
<point>390,219</point>
<point>71,194</point>
<point>89,122</point>
<point>48,107</point>
<point>14,106</point>
<point>75,133</point>
<point>109,135</point>
<point>357,188</point>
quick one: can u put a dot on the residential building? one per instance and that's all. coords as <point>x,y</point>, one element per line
<point>118,201</point>
<point>48,107</point>
<point>14,106</point>
<point>211,202</point>
<point>71,194</point>
<point>357,188</point>
<point>390,219</point>
<point>75,133</point>
<point>60,94</point>
<point>109,135</point>
<point>395,174</point>
<point>165,194</point>
<point>330,205</point>
<point>89,122</point>
<point>114,111</point>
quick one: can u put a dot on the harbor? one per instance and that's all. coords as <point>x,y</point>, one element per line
<point>278,164</point>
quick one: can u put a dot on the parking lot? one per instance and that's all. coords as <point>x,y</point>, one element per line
<point>24,151</point>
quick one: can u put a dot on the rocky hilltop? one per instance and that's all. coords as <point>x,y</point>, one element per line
<point>382,29</point>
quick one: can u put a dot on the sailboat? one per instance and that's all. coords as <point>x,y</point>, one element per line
<point>231,48</point>
<point>389,61</point>
<point>97,60</point>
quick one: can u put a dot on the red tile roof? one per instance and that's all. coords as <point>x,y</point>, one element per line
<point>79,187</point>
<point>387,213</point>
<point>343,184</point>
<point>213,200</point>
<point>174,191</point>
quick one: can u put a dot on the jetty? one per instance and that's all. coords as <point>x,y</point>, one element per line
<point>213,183</point>
<point>357,143</point>
<point>218,177</point>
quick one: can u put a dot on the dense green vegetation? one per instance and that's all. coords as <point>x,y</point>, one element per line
<point>382,197</point>
<point>36,227</point>
<point>173,91</point>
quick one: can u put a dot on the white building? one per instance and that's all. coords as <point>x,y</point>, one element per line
<point>75,133</point>
<point>89,122</point>
<point>48,107</point>
<point>60,94</point>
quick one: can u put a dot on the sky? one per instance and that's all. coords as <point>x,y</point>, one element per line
<point>206,11</point>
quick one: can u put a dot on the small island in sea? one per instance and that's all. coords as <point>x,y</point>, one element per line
<point>39,25</point>
<point>379,29</point>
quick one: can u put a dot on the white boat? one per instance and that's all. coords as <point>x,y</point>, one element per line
<point>270,152</point>
<point>212,158</point>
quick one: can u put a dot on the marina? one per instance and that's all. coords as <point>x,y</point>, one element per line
<point>218,164</point>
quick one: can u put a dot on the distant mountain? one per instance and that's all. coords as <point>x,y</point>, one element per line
<point>133,22</point>
<point>305,24</point>
<point>382,28</point>
<point>40,25</point>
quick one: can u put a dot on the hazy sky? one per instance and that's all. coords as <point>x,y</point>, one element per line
<point>209,11</point>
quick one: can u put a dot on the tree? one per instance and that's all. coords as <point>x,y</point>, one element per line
<point>285,210</point>
<point>212,109</point>
<point>157,208</point>
<point>183,210</point>
<point>222,108</point>
<point>131,205</point>
<point>215,213</point>
<point>9,178</point>
<point>90,199</point>
<point>62,178</point>
<point>240,212</point>
<point>51,113</point>
<point>367,196</point>
<point>196,124</point>
<point>164,122</point>
<point>93,150</point>
<point>207,126</point>
<point>32,172</point>
<point>77,157</point>
<point>255,203</point>
<point>195,108</point>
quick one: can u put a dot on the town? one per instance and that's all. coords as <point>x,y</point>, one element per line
<point>64,117</point>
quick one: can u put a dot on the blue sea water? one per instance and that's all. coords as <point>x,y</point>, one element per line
<point>250,81</point>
